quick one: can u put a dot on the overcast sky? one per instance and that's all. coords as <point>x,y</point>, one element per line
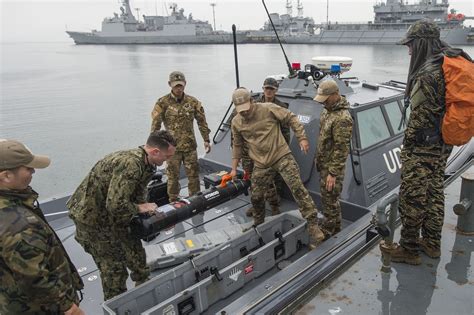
<point>40,21</point>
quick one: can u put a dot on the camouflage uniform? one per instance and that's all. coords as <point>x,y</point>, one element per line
<point>271,154</point>
<point>290,172</point>
<point>36,274</point>
<point>423,163</point>
<point>178,117</point>
<point>102,207</point>
<point>424,154</point>
<point>333,147</point>
<point>274,190</point>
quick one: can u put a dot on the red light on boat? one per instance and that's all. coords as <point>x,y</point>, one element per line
<point>296,66</point>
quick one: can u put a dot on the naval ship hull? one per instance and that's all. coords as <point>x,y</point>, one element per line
<point>87,38</point>
<point>460,36</point>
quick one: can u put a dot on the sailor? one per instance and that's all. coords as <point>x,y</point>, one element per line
<point>36,274</point>
<point>333,148</point>
<point>177,112</point>
<point>424,153</point>
<point>104,203</point>
<point>258,124</point>
<point>270,88</point>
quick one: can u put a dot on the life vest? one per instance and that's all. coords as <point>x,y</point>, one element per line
<point>458,121</point>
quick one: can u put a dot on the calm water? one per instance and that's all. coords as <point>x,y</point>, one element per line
<point>78,103</point>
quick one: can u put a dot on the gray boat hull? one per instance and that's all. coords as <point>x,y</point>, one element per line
<point>460,36</point>
<point>457,37</point>
<point>84,38</point>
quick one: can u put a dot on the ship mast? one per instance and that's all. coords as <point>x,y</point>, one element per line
<point>289,8</point>
<point>213,5</point>
<point>300,9</point>
<point>327,14</point>
<point>128,12</point>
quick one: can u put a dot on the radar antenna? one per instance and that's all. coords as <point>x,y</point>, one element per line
<point>173,6</point>
<point>128,12</point>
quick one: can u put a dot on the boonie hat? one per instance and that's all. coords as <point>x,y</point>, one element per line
<point>420,29</point>
<point>241,99</point>
<point>176,78</point>
<point>14,154</point>
<point>326,89</point>
<point>270,83</point>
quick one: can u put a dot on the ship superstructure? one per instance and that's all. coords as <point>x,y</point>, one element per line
<point>175,28</point>
<point>391,21</point>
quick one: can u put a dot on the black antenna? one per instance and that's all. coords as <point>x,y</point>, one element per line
<point>234,31</point>
<point>224,127</point>
<point>290,69</point>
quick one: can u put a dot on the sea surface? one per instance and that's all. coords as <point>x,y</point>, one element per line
<point>79,103</point>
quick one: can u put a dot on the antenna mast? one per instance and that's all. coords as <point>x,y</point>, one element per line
<point>300,9</point>
<point>290,69</point>
<point>289,8</point>
<point>327,14</point>
<point>128,11</point>
<point>138,14</point>
<point>213,5</point>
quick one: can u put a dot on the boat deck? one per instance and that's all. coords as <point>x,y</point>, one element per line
<point>438,286</point>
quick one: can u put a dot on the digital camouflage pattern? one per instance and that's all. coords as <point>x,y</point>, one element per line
<point>102,207</point>
<point>423,163</point>
<point>333,148</point>
<point>36,274</point>
<point>178,118</point>
<point>113,254</point>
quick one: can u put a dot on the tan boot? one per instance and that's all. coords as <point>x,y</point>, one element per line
<point>316,236</point>
<point>249,212</point>
<point>275,210</point>
<point>401,255</point>
<point>429,250</point>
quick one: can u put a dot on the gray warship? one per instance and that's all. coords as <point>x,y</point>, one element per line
<point>392,19</point>
<point>175,28</point>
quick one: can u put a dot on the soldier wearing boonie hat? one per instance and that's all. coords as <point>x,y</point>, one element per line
<point>420,29</point>
<point>424,153</point>
<point>177,112</point>
<point>258,126</point>
<point>37,275</point>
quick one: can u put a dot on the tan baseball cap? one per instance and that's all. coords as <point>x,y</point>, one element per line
<point>176,78</point>
<point>241,99</point>
<point>326,89</point>
<point>14,154</point>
